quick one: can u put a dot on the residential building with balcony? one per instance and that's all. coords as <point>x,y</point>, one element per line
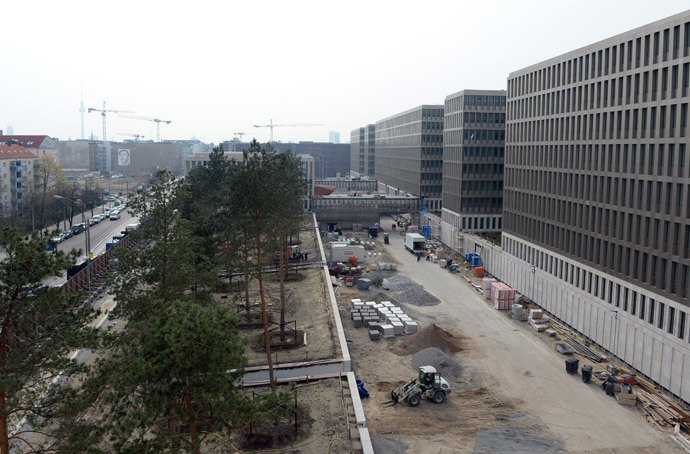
<point>17,179</point>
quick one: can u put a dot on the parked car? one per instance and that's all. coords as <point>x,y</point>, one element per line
<point>77,229</point>
<point>67,234</point>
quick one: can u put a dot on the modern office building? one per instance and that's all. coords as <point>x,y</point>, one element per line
<point>330,159</point>
<point>473,147</point>
<point>597,195</point>
<point>363,151</point>
<point>409,154</point>
<point>333,137</point>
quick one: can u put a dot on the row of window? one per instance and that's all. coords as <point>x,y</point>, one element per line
<point>483,134</point>
<point>484,101</point>
<point>661,159</point>
<point>481,204</point>
<point>659,46</point>
<point>625,194</point>
<point>662,272</point>
<point>643,306</point>
<point>482,186</point>
<point>653,85</point>
<point>669,120</point>
<point>487,118</point>
<point>481,223</point>
<point>409,119</point>
<point>481,169</point>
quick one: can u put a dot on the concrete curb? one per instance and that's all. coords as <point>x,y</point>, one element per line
<point>347,362</point>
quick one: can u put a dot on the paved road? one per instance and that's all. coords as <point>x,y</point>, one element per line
<point>525,370</point>
<point>101,233</point>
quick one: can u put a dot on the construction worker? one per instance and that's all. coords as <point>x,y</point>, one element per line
<point>428,256</point>
<point>419,256</point>
<point>306,255</point>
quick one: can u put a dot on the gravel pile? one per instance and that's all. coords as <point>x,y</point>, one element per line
<point>447,366</point>
<point>410,292</point>
<point>515,440</point>
<point>388,444</point>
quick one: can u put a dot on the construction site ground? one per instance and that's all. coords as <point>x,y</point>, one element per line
<point>307,303</point>
<point>325,429</point>
<point>511,392</point>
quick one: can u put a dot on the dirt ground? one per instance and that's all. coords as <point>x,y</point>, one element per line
<point>306,303</point>
<point>511,394</point>
<point>325,429</point>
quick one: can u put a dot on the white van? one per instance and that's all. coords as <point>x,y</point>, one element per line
<point>115,215</point>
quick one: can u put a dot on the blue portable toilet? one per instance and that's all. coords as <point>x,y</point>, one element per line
<point>476,261</point>
<point>426,231</point>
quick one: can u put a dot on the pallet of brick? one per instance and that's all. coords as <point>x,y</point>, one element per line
<point>374,334</point>
<point>410,327</point>
<point>536,314</point>
<point>386,330</point>
<point>354,313</point>
<point>486,286</point>
<point>537,325</point>
<point>358,322</point>
<point>383,315</point>
<point>396,310</point>
<point>392,318</point>
<point>397,327</point>
<point>387,303</point>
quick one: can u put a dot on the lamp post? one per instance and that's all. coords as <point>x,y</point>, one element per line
<point>87,237</point>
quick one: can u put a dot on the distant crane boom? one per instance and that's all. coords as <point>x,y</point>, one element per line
<point>136,136</point>
<point>275,125</point>
<point>103,111</point>
<point>157,120</point>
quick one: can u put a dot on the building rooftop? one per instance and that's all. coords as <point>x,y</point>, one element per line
<point>14,152</point>
<point>27,141</point>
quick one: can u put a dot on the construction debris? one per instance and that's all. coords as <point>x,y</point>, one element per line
<point>586,351</point>
<point>658,411</point>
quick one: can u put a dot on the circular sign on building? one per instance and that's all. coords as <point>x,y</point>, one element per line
<point>123,157</point>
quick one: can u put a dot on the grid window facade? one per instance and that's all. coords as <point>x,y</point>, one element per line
<point>596,157</point>
<point>409,152</point>
<point>473,150</point>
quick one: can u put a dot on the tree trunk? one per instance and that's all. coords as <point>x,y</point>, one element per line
<point>246,288</point>
<point>191,422</point>
<point>264,317</point>
<point>281,271</point>
<point>4,436</point>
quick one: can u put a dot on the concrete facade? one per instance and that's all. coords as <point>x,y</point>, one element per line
<point>350,184</point>
<point>346,209</point>
<point>597,189</point>
<point>473,150</point>
<point>140,158</point>
<point>357,147</point>
<point>409,153</point>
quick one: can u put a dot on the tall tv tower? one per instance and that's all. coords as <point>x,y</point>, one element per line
<point>82,110</point>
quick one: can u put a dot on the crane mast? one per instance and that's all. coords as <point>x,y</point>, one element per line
<point>103,112</point>
<point>272,125</point>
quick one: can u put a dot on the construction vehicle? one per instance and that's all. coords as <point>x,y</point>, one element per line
<point>415,243</point>
<point>429,383</point>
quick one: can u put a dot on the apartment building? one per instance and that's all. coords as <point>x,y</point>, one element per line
<point>17,179</point>
<point>409,154</point>
<point>597,195</point>
<point>473,149</point>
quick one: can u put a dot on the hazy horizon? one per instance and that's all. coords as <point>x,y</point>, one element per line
<point>216,70</point>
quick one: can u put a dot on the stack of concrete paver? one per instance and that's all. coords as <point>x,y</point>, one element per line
<point>382,319</point>
<point>536,320</point>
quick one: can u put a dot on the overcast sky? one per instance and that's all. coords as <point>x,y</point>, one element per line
<point>217,68</point>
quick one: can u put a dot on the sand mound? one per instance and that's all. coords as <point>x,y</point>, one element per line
<point>430,336</point>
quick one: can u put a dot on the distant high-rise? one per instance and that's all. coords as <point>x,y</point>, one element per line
<point>10,130</point>
<point>473,139</point>
<point>334,137</point>
<point>409,153</point>
<point>82,110</point>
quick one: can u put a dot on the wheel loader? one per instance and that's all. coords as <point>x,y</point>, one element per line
<point>429,383</point>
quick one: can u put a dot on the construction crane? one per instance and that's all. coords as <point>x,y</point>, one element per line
<point>136,136</point>
<point>241,134</point>
<point>272,125</point>
<point>103,111</point>
<point>157,120</point>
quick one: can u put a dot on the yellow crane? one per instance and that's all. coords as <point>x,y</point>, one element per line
<point>157,120</point>
<point>274,125</point>
<point>103,111</point>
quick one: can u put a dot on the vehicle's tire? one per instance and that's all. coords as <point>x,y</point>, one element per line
<point>439,397</point>
<point>414,399</point>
